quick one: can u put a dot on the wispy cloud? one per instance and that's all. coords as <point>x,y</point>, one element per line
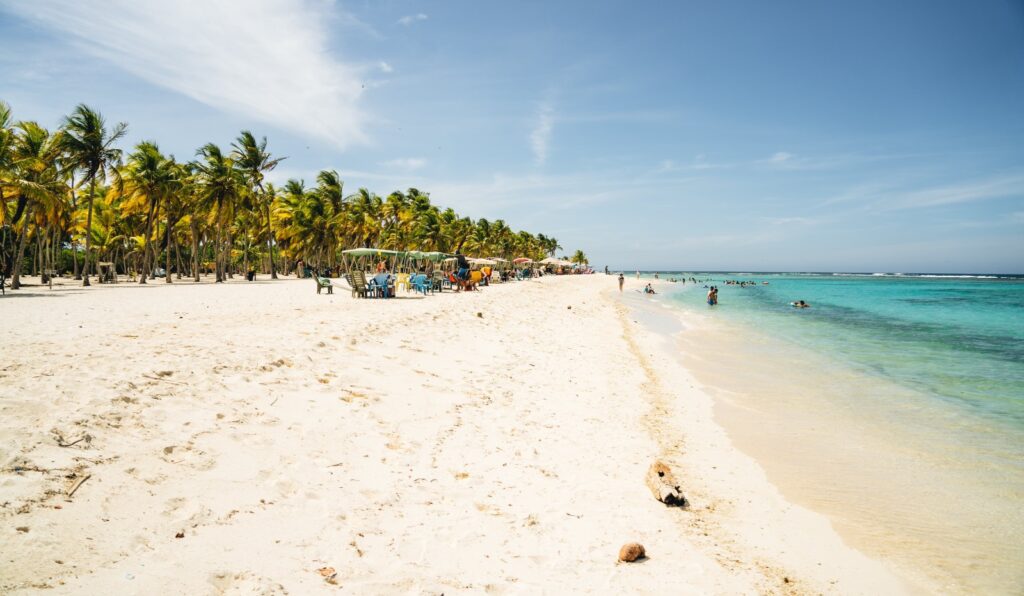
<point>405,163</point>
<point>262,59</point>
<point>790,221</point>
<point>700,162</point>
<point>540,136</point>
<point>409,19</point>
<point>780,157</point>
<point>966,192</point>
<point>385,67</point>
<point>901,195</point>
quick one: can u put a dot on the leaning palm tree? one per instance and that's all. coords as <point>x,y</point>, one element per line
<point>90,149</point>
<point>253,160</point>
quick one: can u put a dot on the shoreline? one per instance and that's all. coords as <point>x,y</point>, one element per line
<point>489,442</point>
<point>759,515</point>
<point>858,450</point>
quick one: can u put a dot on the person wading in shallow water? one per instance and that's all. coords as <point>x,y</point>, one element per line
<point>622,280</point>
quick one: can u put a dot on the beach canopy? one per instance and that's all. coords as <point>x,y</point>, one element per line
<point>522,260</point>
<point>372,252</point>
<point>551,261</point>
<point>434,256</point>
<point>482,261</point>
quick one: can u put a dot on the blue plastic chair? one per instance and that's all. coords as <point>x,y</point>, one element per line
<point>421,283</point>
<point>380,286</point>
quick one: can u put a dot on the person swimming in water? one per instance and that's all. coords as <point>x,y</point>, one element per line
<point>800,304</point>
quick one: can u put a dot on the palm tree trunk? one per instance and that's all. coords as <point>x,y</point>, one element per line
<point>88,233</point>
<point>150,216</point>
<point>177,257</point>
<point>19,254</point>
<point>195,248</point>
<point>154,256</point>
<point>219,258</point>
<point>167,259</point>
<point>270,246</point>
<point>71,239</point>
<point>229,272</point>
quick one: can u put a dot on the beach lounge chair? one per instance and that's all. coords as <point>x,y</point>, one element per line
<point>357,281</point>
<point>323,282</point>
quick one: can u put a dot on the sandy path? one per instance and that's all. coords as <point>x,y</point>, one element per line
<point>489,442</point>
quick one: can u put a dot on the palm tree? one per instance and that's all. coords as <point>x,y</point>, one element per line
<point>90,149</point>
<point>36,181</point>
<point>254,161</point>
<point>8,176</point>
<point>220,186</point>
<point>580,258</point>
<point>148,178</point>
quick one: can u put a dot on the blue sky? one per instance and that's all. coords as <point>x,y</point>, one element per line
<point>809,136</point>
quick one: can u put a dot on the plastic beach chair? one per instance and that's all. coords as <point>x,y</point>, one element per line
<point>381,286</point>
<point>421,283</point>
<point>402,280</point>
<point>323,282</point>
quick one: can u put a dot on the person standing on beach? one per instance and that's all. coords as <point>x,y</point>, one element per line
<point>622,280</point>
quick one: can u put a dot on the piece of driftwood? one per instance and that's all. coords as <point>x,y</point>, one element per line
<point>664,487</point>
<point>163,379</point>
<point>632,551</point>
<point>77,484</point>
<point>61,443</point>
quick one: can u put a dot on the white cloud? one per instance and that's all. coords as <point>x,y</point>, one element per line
<point>385,67</point>
<point>262,59</point>
<point>405,163</point>
<point>967,192</point>
<point>780,157</point>
<point>409,19</point>
<point>540,137</point>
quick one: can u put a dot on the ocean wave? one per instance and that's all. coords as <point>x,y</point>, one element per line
<point>958,276</point>
<point>929,275</point>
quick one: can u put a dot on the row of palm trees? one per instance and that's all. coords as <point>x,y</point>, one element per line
<point>74,193</point>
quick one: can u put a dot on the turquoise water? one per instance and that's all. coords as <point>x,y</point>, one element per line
<point>894,404</point>
<point>957,339</point>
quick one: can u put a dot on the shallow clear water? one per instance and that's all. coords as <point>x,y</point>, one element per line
<point>904,397</point>
<point>959,339</point>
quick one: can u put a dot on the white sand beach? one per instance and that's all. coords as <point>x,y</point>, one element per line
<point>487,442</point>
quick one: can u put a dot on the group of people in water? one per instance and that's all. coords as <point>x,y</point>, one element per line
<point>712,295</point>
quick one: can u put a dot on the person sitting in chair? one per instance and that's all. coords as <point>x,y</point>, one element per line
<point>462,264</point>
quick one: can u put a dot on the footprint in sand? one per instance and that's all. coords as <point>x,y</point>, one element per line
<point>245,583</point>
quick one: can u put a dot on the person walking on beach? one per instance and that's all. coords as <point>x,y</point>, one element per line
<point>622,280</point>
